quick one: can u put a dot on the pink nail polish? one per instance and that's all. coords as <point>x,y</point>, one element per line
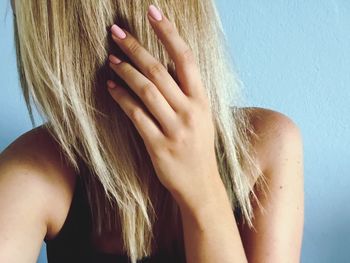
<point>117,31</point>
<point>111,84</point>
<point>114,59</point>
<point>155,13</point>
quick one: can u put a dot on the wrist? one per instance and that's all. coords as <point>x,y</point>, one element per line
<point>209,201</point>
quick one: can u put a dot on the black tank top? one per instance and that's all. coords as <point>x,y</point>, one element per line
<point>72,244</point>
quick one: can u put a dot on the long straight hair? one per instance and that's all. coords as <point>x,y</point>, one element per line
<point>62,49</point>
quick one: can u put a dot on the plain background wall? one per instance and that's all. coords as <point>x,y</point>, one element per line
<point>293,57</point>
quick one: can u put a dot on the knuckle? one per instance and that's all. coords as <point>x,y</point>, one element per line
<point>189,119</point>
<point>169,29</point>
<point>157,152</point>
<point>135,114</point>
<point>126,69</point>
<point>147,91</point>
<point>118,94</point>
<point>203,101</point>
<point>179,137</point>
<point>187,56</point>
<point>154,70</point>
<point>133,47</point>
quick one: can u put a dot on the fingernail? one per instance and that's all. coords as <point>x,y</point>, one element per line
<point>111,84</point>
<point>114,59</point>
<point>117,31</point>
<point>154,12</point>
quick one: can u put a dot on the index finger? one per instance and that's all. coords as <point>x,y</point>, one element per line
<point>186,67</point>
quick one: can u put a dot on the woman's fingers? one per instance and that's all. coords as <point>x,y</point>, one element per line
<point>149,66</point>
<point>143,122</point>
<point>164,99</point>
<point>186,67</point>
<point>147,92</point>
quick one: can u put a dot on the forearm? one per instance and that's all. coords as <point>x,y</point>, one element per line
<point>210,230</point>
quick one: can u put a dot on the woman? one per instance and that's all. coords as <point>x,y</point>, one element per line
<point>141,155</point>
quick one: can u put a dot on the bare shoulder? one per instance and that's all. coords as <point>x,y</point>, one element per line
<point>277,135</point>
<point>279,148</point>
<point>34,160</point>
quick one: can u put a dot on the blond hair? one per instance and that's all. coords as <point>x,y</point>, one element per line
<point>62,49</point>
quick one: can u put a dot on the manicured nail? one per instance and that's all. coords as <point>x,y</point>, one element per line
<point>114,59</point>
<point>154,12</point>
<point>111,84</point>
<point>117,31</point>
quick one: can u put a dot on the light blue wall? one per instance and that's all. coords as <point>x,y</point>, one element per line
<point>293,57</point>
